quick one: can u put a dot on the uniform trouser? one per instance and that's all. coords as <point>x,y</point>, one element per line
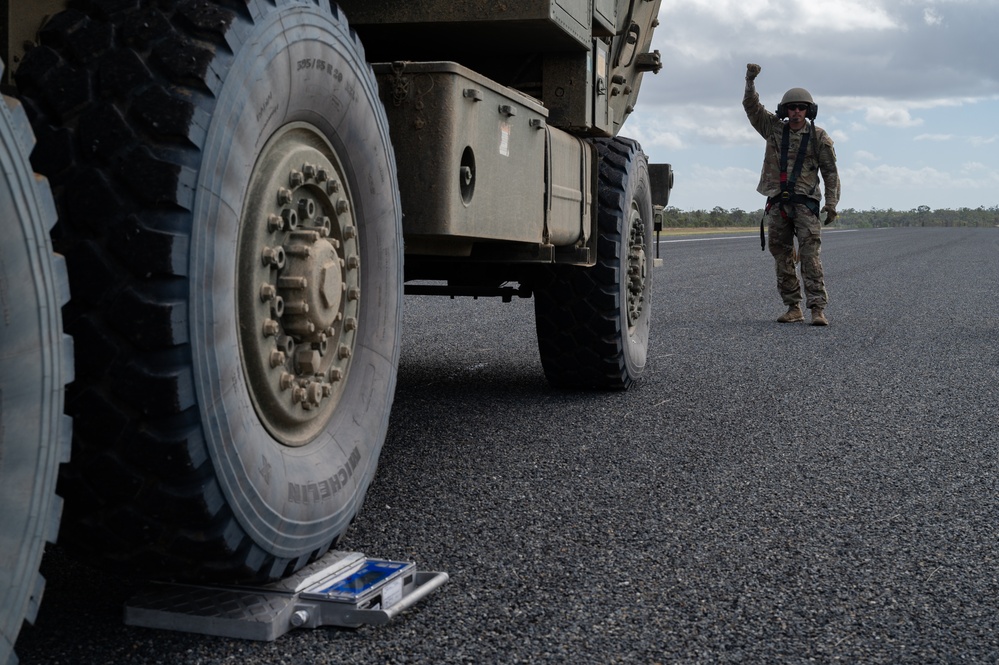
<point>780,237</point>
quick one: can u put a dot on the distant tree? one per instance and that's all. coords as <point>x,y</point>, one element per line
<point>874,218</point>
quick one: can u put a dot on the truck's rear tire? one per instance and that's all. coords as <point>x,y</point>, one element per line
<point>593,323</point>
<point>233,231</point>
<point>35,363</point>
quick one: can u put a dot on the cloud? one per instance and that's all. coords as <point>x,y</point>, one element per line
<point>921,181</point>
<point>979,141</point>
<point>976,141</point>
<point>794,18</point>
<point>978,168</point>
<point>870,48</point>
<point>697,188</point>
<point>891,117</point>
<point>680,126</point>
<point>839,136</point>
<point>900,80</point>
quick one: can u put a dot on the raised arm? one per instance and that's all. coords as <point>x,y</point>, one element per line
<point>759,117</point>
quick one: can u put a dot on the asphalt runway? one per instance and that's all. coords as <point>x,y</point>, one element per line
<point>766,494</point>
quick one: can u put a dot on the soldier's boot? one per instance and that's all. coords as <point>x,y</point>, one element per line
<point>792,315</point>
<point>819,317</point>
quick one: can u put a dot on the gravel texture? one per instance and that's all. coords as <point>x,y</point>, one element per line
<point>767,493</point>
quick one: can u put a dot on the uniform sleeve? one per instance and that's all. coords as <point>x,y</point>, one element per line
<point>827,167</point>
<point>760,118</point>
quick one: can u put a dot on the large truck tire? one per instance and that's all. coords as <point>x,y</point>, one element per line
<point>36,361</point>
<point>231,219</point>
<point>593,323</point>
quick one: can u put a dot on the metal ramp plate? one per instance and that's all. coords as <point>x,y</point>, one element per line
<point>345,589</point>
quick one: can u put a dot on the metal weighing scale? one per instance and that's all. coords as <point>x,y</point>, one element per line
<point>345,589</point>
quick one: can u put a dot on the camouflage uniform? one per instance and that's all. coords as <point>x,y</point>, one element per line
<point>782,228</point>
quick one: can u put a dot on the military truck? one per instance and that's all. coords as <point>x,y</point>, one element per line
<point>243,190</point>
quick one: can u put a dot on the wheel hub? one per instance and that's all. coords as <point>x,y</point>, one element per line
<point>299,284</point>
<point>637,269</point>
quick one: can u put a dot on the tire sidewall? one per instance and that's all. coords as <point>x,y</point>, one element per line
<point>35,363</point>
<point>267,87</point>
<point>639,192</point>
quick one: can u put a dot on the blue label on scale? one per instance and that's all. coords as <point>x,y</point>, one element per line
<point>372,573</point>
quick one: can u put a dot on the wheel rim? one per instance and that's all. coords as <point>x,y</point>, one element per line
<point>637,268</point>
<point>299,286</point>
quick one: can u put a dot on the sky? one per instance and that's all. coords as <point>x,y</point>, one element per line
<point>908,90</point>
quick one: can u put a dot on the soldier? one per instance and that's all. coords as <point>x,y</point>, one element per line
<point>797,152</point>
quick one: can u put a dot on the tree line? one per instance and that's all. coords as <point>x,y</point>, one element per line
<point>875,218</point>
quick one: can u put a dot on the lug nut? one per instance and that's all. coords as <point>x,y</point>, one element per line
<point>285,344</point>
<point>306,208</point>
<point>322,346</point>
<point>273,256</point>
<point>325,226</point>
<point>314,393</point>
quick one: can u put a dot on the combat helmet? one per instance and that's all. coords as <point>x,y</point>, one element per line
<point>797,96</point>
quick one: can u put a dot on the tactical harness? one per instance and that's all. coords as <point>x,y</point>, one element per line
<point>787,197</point>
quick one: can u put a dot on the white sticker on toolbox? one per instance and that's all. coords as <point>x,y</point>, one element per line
<point>504,146</point>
